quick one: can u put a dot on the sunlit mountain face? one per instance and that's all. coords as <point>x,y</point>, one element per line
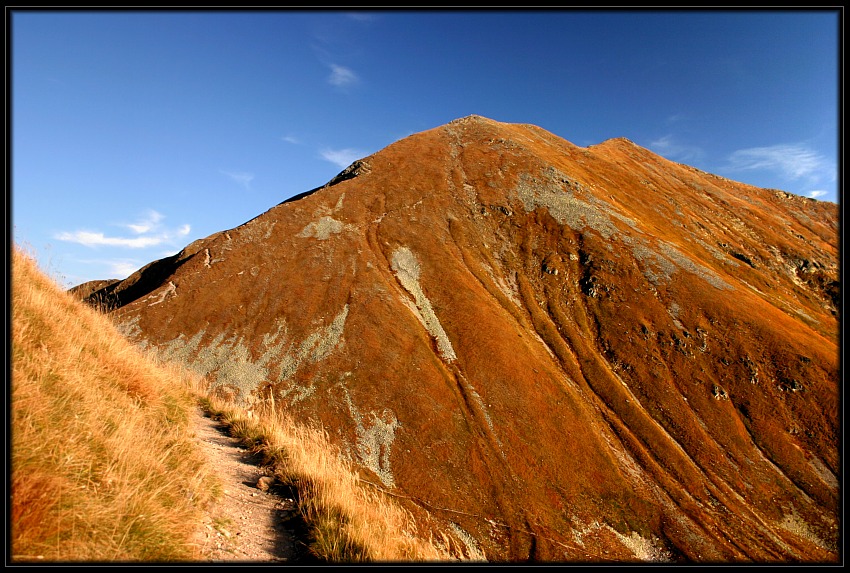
<point>550,352</point>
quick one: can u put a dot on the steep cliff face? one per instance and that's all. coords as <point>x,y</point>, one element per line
<point>547,351</point>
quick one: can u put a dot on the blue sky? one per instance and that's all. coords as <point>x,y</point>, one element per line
<point>134,133</point>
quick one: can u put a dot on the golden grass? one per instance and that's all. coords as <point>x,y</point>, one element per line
<point>103,463</point>
<point>104,467</point>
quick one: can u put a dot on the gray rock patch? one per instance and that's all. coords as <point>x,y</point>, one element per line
<point>322,229</point>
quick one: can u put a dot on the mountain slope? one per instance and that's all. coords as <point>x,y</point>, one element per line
<point>567,353</point>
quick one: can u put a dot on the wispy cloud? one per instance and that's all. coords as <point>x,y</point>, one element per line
<point>147,223</point>
<point>795,164</point>
<point>290,139</point>
<point>795,161</point>
<point>668,147</point>
<point>148,229</point>
<point>242,178</point>
<point>342,77</point>
<point>342,157</point>
<point>121,269</point>
<point>94,239</point>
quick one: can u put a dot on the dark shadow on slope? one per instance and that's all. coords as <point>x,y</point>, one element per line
<point>141,283</point>
<point>296,527</point>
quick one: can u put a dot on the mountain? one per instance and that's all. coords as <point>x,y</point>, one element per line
<point>558,353</point>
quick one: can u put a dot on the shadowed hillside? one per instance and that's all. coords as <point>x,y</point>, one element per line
<point>560,353</point>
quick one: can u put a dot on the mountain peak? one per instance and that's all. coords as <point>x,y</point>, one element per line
<point>581,346</point>
<point>472,118</point>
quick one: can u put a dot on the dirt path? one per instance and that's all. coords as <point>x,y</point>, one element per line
<point>251,521</point>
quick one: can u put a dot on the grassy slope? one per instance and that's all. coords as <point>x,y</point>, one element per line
<point>103,463</point>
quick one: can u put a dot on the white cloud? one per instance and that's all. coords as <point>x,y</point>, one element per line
<point>122,269</point>
<point>795,161</point>
<point>814,194</point>
<point>341,157</point>
<point>114,268</point>
<point>342,77</point>
<point>668,147</point>
<point>290,139</point>
<point>145,239</point>
<point>242,178</point>
<point>147,223</point>
<point>93,239</point>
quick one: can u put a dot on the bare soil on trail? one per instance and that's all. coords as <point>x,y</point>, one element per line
<point>252,521</point>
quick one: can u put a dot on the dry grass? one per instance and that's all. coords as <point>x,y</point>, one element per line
<point>349,522</point>
<point>104,467</point>
<point>103,464</point>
